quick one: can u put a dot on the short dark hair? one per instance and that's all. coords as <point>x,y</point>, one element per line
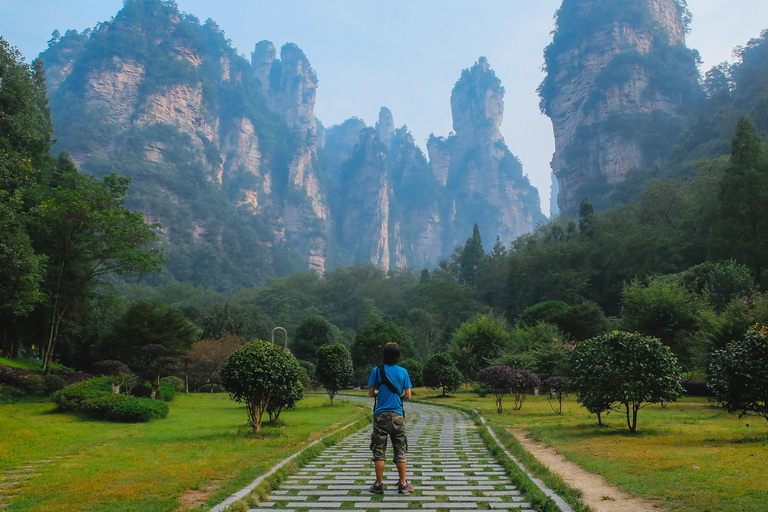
<point>391,353</point>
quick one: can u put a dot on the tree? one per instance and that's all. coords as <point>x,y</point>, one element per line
<point>145,323</point>
<point>415,371</point>
<point>440,372</point>
<point>313,332</point>
<point>256,373</point>
<point>155,364</point>
<point>470,257</point>
<point>743,224</point>
<point>486,336</point>
<point>738,374</point>
<point>81,223</point>
<point>334,368</point>
<point>286,400</point>
<point>522,382</point>
<point>556,387</point>
<point>115,370</point>
<point>668,311</point>
<point>366,349</point>
<point>624,372</point>
<point>499,382</point>
<point>206,358</point>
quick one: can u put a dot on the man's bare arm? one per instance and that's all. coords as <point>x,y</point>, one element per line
<point>406,394</point>
<point>372,391</point>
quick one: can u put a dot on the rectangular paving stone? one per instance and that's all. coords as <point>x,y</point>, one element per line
<point>293,486</point>
<point>409,498</point>
<point>388,505</point>
<point>267,510</point>
<point>478,499</point>
<point>272,497</point>
<point>447,493</point>
<point>501,493</point>
<point>327,492</point>
<point>468,487</point>
<point>329,504</point>
<point>519,504</point>
<point>344,498</point>
<point>453,505</point>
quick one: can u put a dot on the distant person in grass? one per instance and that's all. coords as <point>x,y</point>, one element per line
<point>390,384</point>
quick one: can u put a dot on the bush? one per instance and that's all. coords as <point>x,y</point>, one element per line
<point>440,372</point>
<point>53,383</point>
<point>32,384</point>
<point>212,388</point>
<point>95,398</point>
<point>738,374</point>
<point>522,383</point>
<point>165,391</point>
<point>256,373</point>
<point>137,410</point>
<point>415,369</point>
<point>498,379</point>
<point>72,398</point>
<point>556,387</point>
<point>11,394</point>
<point>540,312</point>
<point>625,372</point>
<point>334,368</point>
<point>308,374</point>
<point>175,382</point>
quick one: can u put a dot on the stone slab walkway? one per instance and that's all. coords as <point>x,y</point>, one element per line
<point>448,464</point>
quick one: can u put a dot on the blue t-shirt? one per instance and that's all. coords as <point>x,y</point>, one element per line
<point>388,401</point>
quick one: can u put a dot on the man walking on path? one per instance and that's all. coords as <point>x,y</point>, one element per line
<point>390,384</point>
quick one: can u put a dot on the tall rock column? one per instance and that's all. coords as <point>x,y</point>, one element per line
<point>483,177</point>
<point>618,73</point>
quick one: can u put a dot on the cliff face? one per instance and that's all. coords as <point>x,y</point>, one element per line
<point>227,154</point>
<point>484,180</point>
<point>617,72</point>
<point>172,97</point>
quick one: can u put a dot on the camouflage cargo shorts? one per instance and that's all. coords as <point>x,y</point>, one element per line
<point>389,424</point>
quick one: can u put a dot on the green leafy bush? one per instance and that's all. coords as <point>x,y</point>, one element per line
<point>32,384</point>
<point>334,368</point>
<point>258,372</point>
<point>625,372</point>
<point>738,374</point>
<point>165,391</point>
<point>415,370</point>
<point>137,410</point>
<point>175,382</point>
<point>440,372</point>
<point>95,398</point>
<point>53,383</point>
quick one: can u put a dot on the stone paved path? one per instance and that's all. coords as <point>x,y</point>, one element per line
<point>448,464</point>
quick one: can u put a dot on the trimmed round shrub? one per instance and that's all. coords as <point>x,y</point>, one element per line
<point>137,410</point>
<point>176,382</point>
<point>72,397</point>
<point>53,383</point>
<point>32,384</point>
<point>95,398</point>
<point>10,394</point>
<point>165,392</point>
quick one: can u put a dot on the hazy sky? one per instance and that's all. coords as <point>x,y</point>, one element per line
<point>402,54</point>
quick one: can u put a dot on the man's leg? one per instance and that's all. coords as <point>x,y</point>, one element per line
<point>379,467</point>
<point>400,471</point>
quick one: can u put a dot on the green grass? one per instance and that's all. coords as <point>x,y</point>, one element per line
<point>204,449</point>
<point>689,456</point>
<point>29,363</point>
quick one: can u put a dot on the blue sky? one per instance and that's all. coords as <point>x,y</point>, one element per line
<point>402,54</point>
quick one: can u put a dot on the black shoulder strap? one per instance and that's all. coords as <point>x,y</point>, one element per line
<point>386,382</point>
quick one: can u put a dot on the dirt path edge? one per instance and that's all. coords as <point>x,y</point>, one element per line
<point>597,493</point>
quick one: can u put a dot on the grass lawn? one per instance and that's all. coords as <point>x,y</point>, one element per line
<point>689,456</point>
<point>198,455</point>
